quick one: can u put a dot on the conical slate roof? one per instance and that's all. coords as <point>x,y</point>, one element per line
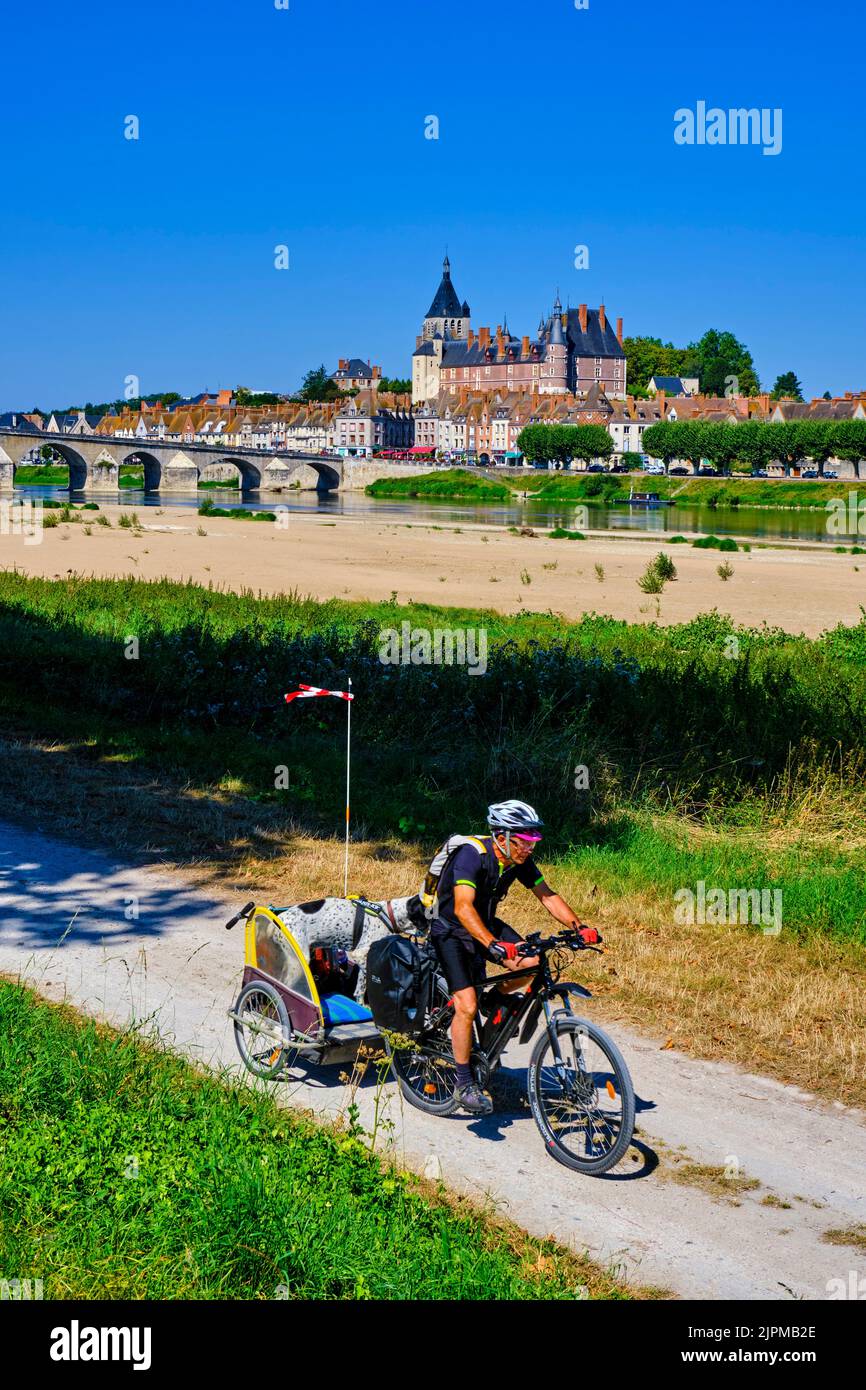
<point>445,304</point>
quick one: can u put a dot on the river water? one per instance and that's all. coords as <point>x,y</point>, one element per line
<point>760,523</point>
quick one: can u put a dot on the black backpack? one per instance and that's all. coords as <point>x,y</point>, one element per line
<point>399,983</point>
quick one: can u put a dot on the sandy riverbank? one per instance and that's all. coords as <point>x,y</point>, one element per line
<point>800,590</point>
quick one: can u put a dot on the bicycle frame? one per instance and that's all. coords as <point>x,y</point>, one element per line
<point>543,988</point>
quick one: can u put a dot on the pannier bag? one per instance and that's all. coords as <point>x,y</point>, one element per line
<point>399,983</point>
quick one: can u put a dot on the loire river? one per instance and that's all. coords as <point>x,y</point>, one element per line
<point>761,523</point>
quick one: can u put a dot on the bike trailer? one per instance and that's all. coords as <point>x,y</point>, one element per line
<point>322,1012</point>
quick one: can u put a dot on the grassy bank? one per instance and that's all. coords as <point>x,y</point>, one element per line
<point>449,482</point>
<point>125,1173</point>
<point>41,475</point>
<point>596,488</point>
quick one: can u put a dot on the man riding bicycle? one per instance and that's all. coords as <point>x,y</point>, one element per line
<point>467,932</point>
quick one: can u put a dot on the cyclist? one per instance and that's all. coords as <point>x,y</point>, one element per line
<point>467,931</point>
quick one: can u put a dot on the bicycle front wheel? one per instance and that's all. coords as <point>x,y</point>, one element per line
<point>582,1099</point>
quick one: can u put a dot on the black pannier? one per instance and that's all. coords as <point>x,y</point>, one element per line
<point>399,983</point>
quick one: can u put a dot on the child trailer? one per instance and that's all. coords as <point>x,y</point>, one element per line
<point>289,1010</point>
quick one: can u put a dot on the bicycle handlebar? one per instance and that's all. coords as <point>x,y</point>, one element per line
<point>244,912</point>
<point>569,940</point>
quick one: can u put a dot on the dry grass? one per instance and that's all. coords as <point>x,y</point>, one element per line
<point>854,1236</point>
<point>710,1178</point>
<point>792,1010</point>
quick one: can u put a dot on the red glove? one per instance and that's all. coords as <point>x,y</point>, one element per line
<point>502,950</point>
<point>589,936</point>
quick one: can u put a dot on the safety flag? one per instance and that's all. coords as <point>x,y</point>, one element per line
<point>309,692</point>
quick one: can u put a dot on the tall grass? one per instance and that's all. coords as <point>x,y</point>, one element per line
<point>124,1173</point>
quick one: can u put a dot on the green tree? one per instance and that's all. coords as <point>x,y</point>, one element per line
<point>787,385</point>
<point>318,386</point>
<point>722,364</point>
<point>849,442</point>
<point>816,441</point>
<point>660,442</point>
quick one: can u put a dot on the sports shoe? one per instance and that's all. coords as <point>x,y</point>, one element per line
<point>473,1099</point>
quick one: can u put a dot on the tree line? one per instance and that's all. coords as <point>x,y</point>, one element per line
<point>752,444</point>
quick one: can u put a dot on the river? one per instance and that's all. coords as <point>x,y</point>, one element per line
<point>759,523</point>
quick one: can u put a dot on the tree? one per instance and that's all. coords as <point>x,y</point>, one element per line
<point>816,441</point>
<point>559,443</point>
<point>400,385</point>
<point>787,385</point>
<point>660,442</point>
<point>318,386</point>
<point>849,442</point>
<point>254,399</point>
<point>649,357</point>
<point>722,364</point>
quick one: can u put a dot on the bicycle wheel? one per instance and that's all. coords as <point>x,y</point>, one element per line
<point>262,1029</point>
<point>425,1072</point>
<point>583,1105</point>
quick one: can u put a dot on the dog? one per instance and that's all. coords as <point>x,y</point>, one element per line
<point>352,925</point>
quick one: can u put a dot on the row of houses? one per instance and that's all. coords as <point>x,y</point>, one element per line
<point>461,425</point>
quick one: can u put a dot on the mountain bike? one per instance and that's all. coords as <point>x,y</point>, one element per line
<point>578,1084</point>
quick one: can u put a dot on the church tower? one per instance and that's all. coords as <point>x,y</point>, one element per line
<point>554,372</point>
<point>447,320</point>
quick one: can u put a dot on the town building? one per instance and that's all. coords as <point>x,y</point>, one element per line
<point>572,350</point>
<point>674,385</point>
<point>354,374</point>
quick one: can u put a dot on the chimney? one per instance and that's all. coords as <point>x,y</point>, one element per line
<point>660,398</point>
<point>377,372</point>
<point>581,313</point>
<point>342,364</point>
<point>483,338</point>
<point>602,318</point>
<point>524,345</point>
<point>619,331</point>
<point>470,338</point>
<point>500,341</point>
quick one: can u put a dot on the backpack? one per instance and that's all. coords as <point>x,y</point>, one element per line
<point>429,889</point>
<point>399,983</point>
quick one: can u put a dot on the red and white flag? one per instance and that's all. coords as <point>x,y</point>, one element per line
<point>309,692</point>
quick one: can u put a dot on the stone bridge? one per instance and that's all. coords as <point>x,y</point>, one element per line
<point>95,460</point>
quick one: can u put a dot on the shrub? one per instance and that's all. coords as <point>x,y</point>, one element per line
<point>725,570</point>
<point>665,567</point>
<point>651,581</point>
<point>559,533</point>
<point>714,543</point>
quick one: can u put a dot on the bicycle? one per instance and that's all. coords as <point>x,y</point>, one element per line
<point>583,1104</point>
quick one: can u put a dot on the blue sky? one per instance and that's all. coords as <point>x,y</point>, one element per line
<point>305,127</point>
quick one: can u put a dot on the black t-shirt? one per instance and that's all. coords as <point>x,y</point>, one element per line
<point>490,878</point>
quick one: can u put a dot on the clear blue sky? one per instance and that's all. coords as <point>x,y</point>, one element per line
<point>305,126</point>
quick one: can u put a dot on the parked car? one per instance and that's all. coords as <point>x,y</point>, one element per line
<point>679,472</point>
<point>597,468</point>
<point>709,473</point>
<point>620,468</point>
<point>761,473</point>
<point>830,473</point>
<point>809,473</point>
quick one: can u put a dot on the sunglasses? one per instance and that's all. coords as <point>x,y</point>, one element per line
<point>527,840</point>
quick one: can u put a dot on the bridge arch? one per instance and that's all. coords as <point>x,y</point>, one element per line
<point>79,468</point>
<point>152,467</point>
<point>251,473</point>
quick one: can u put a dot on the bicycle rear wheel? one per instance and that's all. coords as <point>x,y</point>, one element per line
<point>583,1103</point>
<point>425,1073</point>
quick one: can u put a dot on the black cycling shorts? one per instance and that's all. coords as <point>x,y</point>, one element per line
<point>464,963</point>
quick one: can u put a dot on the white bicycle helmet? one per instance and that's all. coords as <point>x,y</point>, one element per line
<point>517,817</point>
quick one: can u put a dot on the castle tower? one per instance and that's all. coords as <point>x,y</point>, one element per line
<point>554,377</point>
<point>447,320</point>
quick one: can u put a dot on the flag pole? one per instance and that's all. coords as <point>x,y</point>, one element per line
<point>348,764</point>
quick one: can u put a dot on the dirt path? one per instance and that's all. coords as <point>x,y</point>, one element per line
<point>122,942</point>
